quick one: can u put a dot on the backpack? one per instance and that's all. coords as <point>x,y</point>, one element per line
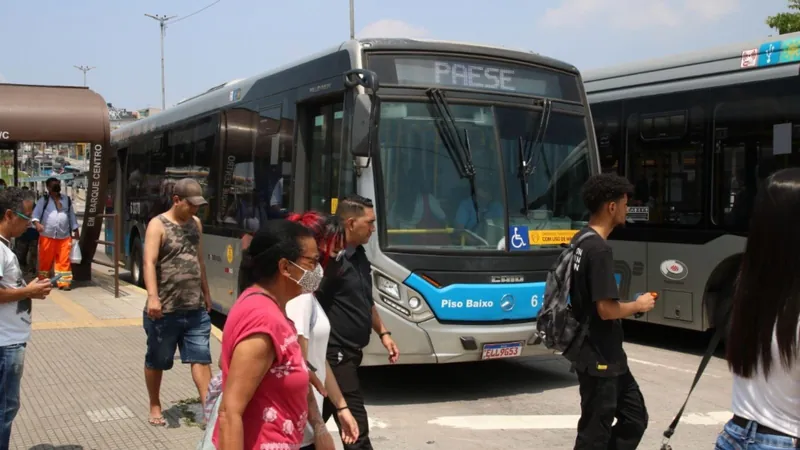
<point>556,325</point>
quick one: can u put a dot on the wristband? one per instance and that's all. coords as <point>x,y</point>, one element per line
<point>384,334</point>
<point>342,408</point>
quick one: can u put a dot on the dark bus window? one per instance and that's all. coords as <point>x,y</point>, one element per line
<point>757,131</point>
<point>610,143</point>
<point>269,194</point>
<point>237,209</point>
<point>666,161</point>
<point>324,158</point>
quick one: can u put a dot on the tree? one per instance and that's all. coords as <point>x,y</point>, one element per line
<point>786,22</point>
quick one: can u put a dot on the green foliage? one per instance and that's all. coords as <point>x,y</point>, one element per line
<point>786,22</point>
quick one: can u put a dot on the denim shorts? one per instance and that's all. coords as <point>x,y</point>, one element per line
<point>187,331</point>
<point>734,437</point>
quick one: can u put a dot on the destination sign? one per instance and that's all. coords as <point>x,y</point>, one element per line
<point>424,71</point>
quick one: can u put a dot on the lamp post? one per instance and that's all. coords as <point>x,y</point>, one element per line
<point>352,19</point>
<point>162,20</point>
<point>84,69</point>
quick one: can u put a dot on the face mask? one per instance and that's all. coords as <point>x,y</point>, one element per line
<point>310,280</point>
<point>57,188</point>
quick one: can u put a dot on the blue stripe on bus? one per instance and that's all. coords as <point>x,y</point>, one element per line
<point>481,302</point>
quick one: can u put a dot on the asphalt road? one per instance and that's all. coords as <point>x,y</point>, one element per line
<point>533,403</point>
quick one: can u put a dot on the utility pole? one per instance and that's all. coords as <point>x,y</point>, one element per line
<point>352,20</point>
<point>162,20</point>
<point>84,69</point>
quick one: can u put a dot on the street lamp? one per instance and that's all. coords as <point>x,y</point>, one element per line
<point>352,19</point>
<point>84,69</point>
<point>162,20</point>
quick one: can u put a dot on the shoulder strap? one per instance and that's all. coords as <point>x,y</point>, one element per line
<point>44,207</point>
<point>706,358</point>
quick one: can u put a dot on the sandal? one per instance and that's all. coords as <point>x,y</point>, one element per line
<point>157,421</point>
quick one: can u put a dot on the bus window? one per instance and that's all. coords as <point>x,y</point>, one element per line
<point>609,139</point>
<point>324,154</point>
<point>269,180</point>
<point>666,152</point>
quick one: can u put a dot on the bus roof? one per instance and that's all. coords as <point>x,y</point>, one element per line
<point>236,90</point>
<point>755,60</point>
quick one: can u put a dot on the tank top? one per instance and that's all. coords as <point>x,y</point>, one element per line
<point>177,269</point>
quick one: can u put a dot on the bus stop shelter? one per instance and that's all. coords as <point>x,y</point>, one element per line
<point>63,114</point>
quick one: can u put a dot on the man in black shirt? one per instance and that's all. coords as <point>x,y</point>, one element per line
<point>346,296</point>
<point>607,387</point>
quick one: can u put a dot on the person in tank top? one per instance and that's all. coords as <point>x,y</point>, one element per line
<point>176,315</point>
<point>763,346</point>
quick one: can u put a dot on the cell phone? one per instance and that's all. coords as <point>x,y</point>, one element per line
<point>55,279</point>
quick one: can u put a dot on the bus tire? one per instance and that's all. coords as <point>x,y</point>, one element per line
<point>137,262</point>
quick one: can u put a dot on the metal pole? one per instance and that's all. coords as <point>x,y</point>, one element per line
<point>117,242</point>
<point>352,20</point>
<point>84,69</point>
<point>163,83</point>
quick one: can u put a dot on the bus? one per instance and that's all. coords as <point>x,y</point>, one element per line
<point>695,134</point>
<point>460,146</point>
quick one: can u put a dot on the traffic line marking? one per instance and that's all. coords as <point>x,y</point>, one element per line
<point>553,422</point>
<point>677,369</point>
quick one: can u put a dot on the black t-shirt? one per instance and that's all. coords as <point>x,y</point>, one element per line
<point>346,297</point>
<point>593,280</point>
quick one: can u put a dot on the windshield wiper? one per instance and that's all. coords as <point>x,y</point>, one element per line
<point>526,166</point>
<point>457,147</point>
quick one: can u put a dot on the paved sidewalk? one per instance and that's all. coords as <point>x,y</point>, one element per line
<point>83,386</point>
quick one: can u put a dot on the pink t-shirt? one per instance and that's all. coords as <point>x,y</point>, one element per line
<point>276,415</point>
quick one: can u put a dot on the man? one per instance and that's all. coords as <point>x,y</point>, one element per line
<point>54,218</point>
<point>15,306</point>
<point>178,299</point>
<point>607,387</point>
<point>346,297</point>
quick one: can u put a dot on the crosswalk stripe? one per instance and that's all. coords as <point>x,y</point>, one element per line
<point>554,422</point>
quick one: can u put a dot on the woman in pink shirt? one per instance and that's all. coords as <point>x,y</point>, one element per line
<point>267,398</point>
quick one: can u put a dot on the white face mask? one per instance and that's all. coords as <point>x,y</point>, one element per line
<point>311,279</point>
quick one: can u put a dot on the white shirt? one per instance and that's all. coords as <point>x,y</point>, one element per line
<point>299,310</point>
<point>15,317</point>
<point>774,403</point>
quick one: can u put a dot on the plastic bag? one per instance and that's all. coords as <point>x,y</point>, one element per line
<point>207,442</point>
<point>75,256</point>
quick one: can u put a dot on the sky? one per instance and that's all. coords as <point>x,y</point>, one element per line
<point>42,40</point>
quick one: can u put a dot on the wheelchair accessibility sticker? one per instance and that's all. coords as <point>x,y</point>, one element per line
<point>519,238</point>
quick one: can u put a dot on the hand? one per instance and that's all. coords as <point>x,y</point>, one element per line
<point>646,302</point>
<point>39,227</point>
<point>348,425</point>
<point>391,347</point>
<point>39,288</point>
<point>154,307</point>
<point>76,235</point>
<point>318,385</point>
<point>207,298</point>
<point>322,439</point>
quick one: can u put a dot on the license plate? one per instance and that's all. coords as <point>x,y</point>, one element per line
<point>502,350</point>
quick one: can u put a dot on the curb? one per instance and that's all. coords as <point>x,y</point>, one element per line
<point>216,332</point>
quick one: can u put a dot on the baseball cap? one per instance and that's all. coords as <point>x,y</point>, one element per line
<point>191,190</point>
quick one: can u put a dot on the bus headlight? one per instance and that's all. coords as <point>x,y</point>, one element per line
<point>414,302</point>
<point>388,287</point>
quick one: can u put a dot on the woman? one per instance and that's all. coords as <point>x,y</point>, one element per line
<point>266,383</point>
<point>762,349</point>
<point>313,327</point>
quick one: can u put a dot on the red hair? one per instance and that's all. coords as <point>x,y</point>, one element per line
<point>326,229</point>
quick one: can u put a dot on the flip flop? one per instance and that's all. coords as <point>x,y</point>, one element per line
<point>157,421</point>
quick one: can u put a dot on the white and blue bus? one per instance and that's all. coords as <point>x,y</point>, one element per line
<point>462,148</point>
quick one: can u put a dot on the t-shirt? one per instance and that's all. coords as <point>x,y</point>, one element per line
<point>276,415</point>
<point>301,310</point>
<point>346,295</point>
<point>593,280</point>
<point>772,402</point>
<point>15,317</point>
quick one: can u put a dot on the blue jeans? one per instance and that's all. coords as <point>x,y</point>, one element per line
<point>734,437</point>
<point>12,361</point>
<point>187,331</point>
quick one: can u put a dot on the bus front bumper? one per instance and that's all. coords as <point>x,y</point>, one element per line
<point>431,342</point>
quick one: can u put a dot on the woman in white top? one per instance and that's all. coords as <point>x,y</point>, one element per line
<point>762,349</point>
<point>313,327</point>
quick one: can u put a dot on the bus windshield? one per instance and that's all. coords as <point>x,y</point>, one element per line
<point>429,199</point>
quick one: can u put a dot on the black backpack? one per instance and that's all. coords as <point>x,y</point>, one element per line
<point>556,324</point>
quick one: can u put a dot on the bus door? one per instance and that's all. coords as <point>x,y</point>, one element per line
<point>322,139</point>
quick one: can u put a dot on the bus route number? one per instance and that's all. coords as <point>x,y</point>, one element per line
<point>534,300</point>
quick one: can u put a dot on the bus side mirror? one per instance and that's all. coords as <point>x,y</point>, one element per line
<point>366,115</point>
<point>366,111</point>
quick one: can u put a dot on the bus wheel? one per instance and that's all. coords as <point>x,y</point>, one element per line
<point>136,263</point>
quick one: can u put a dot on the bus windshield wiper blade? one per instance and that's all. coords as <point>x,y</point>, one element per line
<point>459,149</point>
<point>521,174</point>
<point>526,166</point>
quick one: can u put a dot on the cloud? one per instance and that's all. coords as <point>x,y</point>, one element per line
<point>389,28</point>
<point>636,14</point>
